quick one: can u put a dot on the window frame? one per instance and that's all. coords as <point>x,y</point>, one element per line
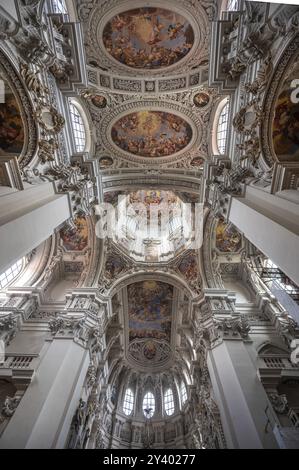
<point>221,131</point>
<point>169,405</point>
<point>183,393</point>
<point>151,403</point>
<point>78,127</point>
<point>128,403</point>
<point>11,274</point>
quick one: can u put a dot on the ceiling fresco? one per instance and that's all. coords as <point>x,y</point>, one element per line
<point>150,311</point>
<point>151,133</point>
<point>153,198</point>
<point>228,239</point>
<point>188,267</point>
<point>148,38</point>
<point>11,125</point>
<point>76,239</point>
<point>114,266</point>
<point>144,196</point>
<point>286,119</point>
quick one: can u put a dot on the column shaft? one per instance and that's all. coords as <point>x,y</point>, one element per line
<point>42,419</point>
<point>241,398</point>
<point>272,225</point>
<point>27,218</point>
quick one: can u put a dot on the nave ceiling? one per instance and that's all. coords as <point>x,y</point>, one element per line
<point>115,111</point>
<point>149,111</point>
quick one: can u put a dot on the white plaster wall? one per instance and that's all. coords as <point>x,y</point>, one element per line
<point>27,342</point>
<point>43,417</point>
<point>57,291</point>
<point>242,293</point>
<point>279,240</point>
<point>27,218</point>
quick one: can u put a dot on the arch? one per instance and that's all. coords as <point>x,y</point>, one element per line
<point>271,349</point>
<point>169,278</point>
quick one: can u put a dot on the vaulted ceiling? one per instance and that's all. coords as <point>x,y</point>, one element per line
<point>151,109</point>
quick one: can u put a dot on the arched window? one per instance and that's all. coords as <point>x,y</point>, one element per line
<point>128,402</point>
<point>11,273</point>
<point>78,128</point>
<point>59,6</point>
<point>168,402</point>
<point>148,405</point>
<point>183,393</point>
<point>222,128</point>
<point>232,5</point>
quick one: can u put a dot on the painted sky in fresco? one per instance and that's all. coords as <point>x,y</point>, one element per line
<point>77,239</point>
<point>151,133</point>
<point>148,38</point>
<point>150,308</point>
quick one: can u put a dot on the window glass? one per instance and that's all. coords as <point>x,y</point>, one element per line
<point>183,393</point>
<point>168,402</point>
<point>148,405</point>
<point>78,128</point>
<point>222,129</point>
<point>128,402</point>
<point>11,273</point>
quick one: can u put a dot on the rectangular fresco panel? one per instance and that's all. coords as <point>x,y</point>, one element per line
<point>150,309</point>
<point>228,239</point>
<point>11,125</point>
<point>77,239</point>
<point>286,118</point>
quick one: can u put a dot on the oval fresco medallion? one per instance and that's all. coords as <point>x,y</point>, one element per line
<point>151,133</point>
<point>148,38</point>
<point>201,99</point>
<point>197,161</point>
<point>99,101</point>
<point>105,162</point>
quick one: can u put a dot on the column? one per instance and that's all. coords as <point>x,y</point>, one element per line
<point>43,417</point>
<point>241,398</point>
<point>271,223</point>
<point>27,218</point>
